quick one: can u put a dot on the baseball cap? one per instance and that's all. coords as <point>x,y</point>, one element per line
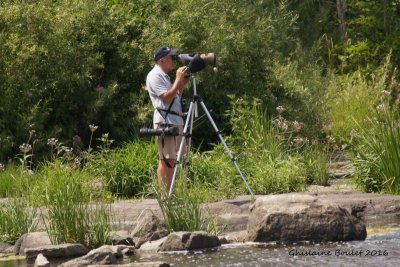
<point>163,51</point>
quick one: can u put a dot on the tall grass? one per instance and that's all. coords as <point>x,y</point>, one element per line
<point>70,218</point>
<point>16,219</point>
<point>379,156</point>
<point>128,171</point>
<point>181,211</point>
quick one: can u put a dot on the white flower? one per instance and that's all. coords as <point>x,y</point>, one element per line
<point>52,141</point>
<point>25,148</point>
<point>93,127</point>
<point>280,109</point>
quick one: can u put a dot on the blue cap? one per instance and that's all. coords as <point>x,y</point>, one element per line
<point>163,51</point>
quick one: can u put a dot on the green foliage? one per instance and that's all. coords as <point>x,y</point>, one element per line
<point>53,176</point>
<point>14,181</point>
<point>70,219</point>
<point>128,171</point>
<point>16,219</point>
<point>353,98</point>
<point>270,165</point>
<point>182,211</point>
<point>378,155</point>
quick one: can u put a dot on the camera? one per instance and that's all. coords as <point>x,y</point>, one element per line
<point>197,62</point>
<point>167,131</point>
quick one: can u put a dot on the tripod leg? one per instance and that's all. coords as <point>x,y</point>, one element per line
<point>181,145</point>
<point>226,146</point>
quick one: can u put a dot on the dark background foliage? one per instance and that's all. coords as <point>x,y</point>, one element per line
<point>67,64</point>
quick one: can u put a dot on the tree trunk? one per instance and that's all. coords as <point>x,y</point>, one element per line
<point>341,11</point>
<point>385,24</point>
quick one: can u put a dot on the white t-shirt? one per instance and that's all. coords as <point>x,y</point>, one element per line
<point>157,83</point>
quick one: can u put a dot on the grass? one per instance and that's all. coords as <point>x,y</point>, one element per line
<point>71,219</point>
<point>181,211</point>
<point>16,219</point>
<point>379,156</point>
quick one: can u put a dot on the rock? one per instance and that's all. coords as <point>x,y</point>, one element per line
<point>235,237</point>
<point>31,240</point>
<point>41,261</point>
<point>152,236</point>
<point>146,223</point>
<point>138,264</point>
<point>104,255</point>
<point>122,237</point>
<point>189,241</point>
<point>295,217</point>
<point>4,247</point>
<point>56,251</point>
<point>152,246</point>
<point>148,228</point>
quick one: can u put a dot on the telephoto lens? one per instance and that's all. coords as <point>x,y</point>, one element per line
<point>167,131</point>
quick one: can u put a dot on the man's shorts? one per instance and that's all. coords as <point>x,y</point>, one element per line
<point>168,146</point>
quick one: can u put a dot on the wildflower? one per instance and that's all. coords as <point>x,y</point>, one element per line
<point>68,150</point>
<point>93,127</point>
<point>299,141</point>
<point>297,126</point>
<point>281,124</point>
<point>1,167</point>
<point>380,107</point>
<point>25,148</point>
<point>52,141</point>
<point>385,92</point>
<point>280,109</point>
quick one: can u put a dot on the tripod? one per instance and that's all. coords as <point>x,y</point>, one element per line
<point>192,112</point>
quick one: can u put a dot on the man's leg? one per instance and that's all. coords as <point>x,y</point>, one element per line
<point>165,173</point>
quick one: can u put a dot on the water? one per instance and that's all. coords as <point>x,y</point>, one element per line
<point>381,248</point>
<point>377,250</point>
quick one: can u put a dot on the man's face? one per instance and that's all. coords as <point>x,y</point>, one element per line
<point>167,63</point>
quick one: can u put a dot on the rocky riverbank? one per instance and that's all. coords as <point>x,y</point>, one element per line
<point>322,213</point>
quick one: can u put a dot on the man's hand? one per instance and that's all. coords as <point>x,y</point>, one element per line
<point>177,88</point>
<point>181,78</point>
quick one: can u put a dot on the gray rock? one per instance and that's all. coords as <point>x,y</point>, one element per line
<point>41,261</point>
<point>31,240</point>
<point>189,241</point>
<point>152,246</point>
<point>152,236</point>
<point>147,223</point>
<point>104,255</point>
<point>122,237</point>
<point>4,246</point>
<point>56,251</point>
<point>235,237</point>
<point>138,264</point>
<point>295,217</point>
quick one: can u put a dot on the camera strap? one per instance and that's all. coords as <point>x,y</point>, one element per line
<point>166,111</point>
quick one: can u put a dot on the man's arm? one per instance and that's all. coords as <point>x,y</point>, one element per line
<point>178,86</point>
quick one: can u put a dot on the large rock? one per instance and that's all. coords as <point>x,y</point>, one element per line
<point>295,217</point>
<point>41,261</point>
<point>31,240</point>
<point>148,228</point>
<point>104,255</point>
<point>138,264</point>
<point>56,251</point>
<point>189,241</point>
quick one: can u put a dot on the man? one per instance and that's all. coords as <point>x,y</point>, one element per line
<point>166,96</point>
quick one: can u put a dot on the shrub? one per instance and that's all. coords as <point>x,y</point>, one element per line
<point>128,171</point>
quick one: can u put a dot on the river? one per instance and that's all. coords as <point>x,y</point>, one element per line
<point>381,248</point>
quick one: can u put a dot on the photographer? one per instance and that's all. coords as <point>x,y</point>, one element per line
<point>166,99</point>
